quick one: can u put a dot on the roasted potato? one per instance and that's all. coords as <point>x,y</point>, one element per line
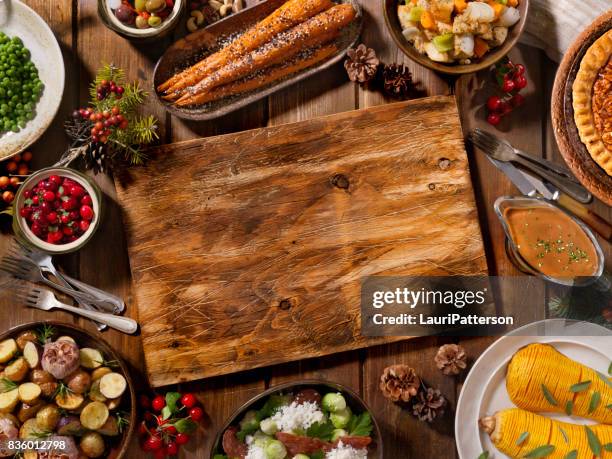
<point>94,415</point>
<point>47,417</point>
<point>94,392</point>
<point>69,425</point>
<point>114,403</point>
<point>9,400</point>
<point>91,358</point>
<point>78,382</point>
<point>27,411</point>
<point>8,350</point>
<point>46,381</point>
<point>110,427</point>
<point>32,352</point>
<point>17,370</point>
<point>112,385</point>
<point>29,430</point>
<point>26,337</point>
<point>29,392</point>
<point>69,401</point>
<point>99,372</point>
<point>92,445</point>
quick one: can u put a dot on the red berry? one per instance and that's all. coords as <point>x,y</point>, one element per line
<point>182,438</point>
<point>508,86</point>
<point>153,443</point>
<point>494,103</point>
<point>49,196</point>
<point>188,400</point>
<point>517,100</point>
<point>506,108</point>
<point>65,219</point>
<point>520,81</point>
<point>86,212</point>
<point>196,413</point>
<point>25,212</point>
<point>148,416</point>
<point>493,119</point>
<point>145,401</point>
<point>124,124</point>
<point>142,429</point>
<point>77,191</point>
<point>520,69</point>
<point>84,226</point>
<point>120,90</point>
<point>67,231</point>
<point>86,200</point>
<point>170,429</point>
<point>99,126</point>
<point>172,449</point>
<point>27,194</point>
<point>55,179</point>
<point>69,204</point>
<point>115,110</point>
<point>35,200</point>
<point>158,403</point>
<point>52,217</point>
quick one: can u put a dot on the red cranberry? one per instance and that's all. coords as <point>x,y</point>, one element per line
<point>84,225</point>
<point>49,196</point>
<point>77,191</point>
<point>508,86</point>
<point>65,219</point>
<point>52,217</point>
<point>493,119</point>
<point>86,212</point>
<point>494,104</point>
<point>56,179</point>
<point>25,212</point>
<point>86,200</point>
<point>67,231</point>
<point>69,204</point>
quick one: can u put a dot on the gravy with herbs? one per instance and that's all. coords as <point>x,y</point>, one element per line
<point>551,242</point>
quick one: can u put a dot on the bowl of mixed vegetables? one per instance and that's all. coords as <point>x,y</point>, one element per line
<point>309,419</point>
<point>455,36</point>
<point>62,394</point>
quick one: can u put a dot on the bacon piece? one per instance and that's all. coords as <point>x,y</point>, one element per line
<point>232,446</point>
<point>308,395</point>
<point>297,444</point>
<point>354,441</point>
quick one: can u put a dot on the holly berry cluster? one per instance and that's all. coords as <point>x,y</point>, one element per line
<point>168,422</point>
<point>106,87</point>
<point>18,165</point>
<point>103,122</point>
<point>511,80</point>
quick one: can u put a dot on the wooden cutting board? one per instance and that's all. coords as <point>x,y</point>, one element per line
<point>248,249</point>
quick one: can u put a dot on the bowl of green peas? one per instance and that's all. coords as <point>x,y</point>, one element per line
<point>32,77</point>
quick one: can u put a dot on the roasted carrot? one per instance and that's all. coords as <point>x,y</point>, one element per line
<point>270,76</point>
<point>288,15</point>
<point>316,31</point>
<point>480,47</point>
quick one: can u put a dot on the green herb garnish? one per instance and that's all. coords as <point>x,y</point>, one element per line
<point>484,455</point>
<point>549,396</point>
<point>522,437</point>
<point>322,430</point>
<point>580,387</point>
<point>540,451</point>
<point>572,454</point>
<point>361,425</point>
<point>594,403</point>
<point>45,333</point>
<point>569,407</point>
<point>594,442</point>
<point>6,385</point>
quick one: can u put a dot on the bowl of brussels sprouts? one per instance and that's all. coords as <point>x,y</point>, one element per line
<point>32,77</point>
<point>301,420</point>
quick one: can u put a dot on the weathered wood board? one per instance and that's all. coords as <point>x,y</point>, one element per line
<point>247,249</point>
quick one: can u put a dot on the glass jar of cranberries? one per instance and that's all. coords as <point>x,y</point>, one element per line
<point>57,210</point>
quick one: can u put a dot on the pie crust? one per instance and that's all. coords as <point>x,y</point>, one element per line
<point>595,60</point>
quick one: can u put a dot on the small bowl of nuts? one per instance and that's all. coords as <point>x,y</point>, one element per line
<point>205,12</point>
<point>141,20</point>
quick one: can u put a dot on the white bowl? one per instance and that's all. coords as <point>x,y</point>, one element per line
<point>17,19</point>
<point>20,225</point>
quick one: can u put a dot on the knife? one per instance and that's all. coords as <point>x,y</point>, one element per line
<point>534,187</point>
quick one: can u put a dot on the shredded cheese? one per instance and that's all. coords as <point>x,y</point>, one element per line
<point>295,416</point>
<point>255,452</point>
<point>346,452</point>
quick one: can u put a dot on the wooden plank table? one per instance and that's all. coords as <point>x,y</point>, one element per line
<point>86,43</point>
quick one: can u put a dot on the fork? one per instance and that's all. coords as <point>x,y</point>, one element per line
<point>45,262</point>
<point>503,151</point>
<point>44,299</point>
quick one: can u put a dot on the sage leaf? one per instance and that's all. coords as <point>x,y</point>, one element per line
<point>608,446</point>
<point>569,407</point>
<point>609,407</point>
<point>572,454</point>
<point>564,433</point>
<point>522,437</point>
<point>594,443</point>
<point>549,396</point>
<point>580,387</point>
<point>594,403</point>
<point>540,451</point>
<point>610,369</point>
<point>484,455</point>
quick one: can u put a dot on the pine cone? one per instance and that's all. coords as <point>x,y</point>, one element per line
<point>399,382</point>
<point>361,64</point>
<point>451,359</point>
<point>397,81</point>
<point>429,405</point>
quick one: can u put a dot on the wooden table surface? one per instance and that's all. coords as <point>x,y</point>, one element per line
<point>86,43</point>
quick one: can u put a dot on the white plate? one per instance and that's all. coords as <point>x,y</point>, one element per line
<point>17,19</point>
<point>484,390</point>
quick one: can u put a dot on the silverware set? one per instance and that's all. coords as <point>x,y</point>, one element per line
<point>37,267</point>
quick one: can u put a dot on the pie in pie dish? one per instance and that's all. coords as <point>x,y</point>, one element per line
<point>592,101</point>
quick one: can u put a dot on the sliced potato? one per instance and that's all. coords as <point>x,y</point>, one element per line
<point>27,411</point>
<point>94,415</point>
<point>32,353</point>
<point>66,338</point>
<point>9,400</point>
<point>29,392</point>
<point>114,403</point>
<point>112,385</point>
<point>92,445</point>
<point>78,382</point>
<point>29,430</point>
<point>17,370</point>
<point>99,372</point>
<point>94,392</point>
<point>8,349</point>
<point>69,401</point>
<point>91,358</point>
<point>26,337</point>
